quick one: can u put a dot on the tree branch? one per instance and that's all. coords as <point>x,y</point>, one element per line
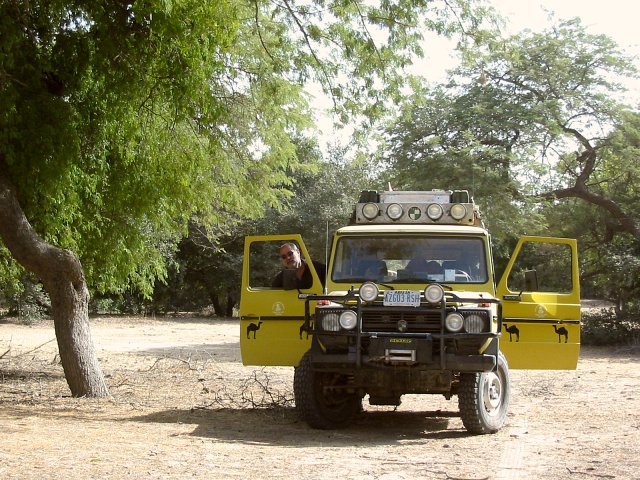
<point>626,223</point>
<point>311,49</point>
<point>257,19</point>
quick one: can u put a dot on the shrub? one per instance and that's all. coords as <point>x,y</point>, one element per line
<point>604,327</point>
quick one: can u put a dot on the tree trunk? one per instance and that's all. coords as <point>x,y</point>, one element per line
<point>230,304</point>
<point>63,278</point>
<point>217,306</point>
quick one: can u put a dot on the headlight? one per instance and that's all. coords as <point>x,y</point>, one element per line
<point>331,322</point>
<point>348,320</point>
<point>433,293</point>
<point>454,322</point>
<point>434,211</point>
<point>458,211</point>
<point>474,323</point>
<point>369,291</point>
<point>370,211</point>
<point>394,211</point>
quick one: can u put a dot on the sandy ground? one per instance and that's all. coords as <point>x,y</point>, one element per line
<point>183,406</point>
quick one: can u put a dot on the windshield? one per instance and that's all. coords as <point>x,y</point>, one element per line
<point>410,259</point>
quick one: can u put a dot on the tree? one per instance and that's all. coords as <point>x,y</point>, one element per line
<point>122,121</point>
<point>528,121</point>
<point>112,133</point>
<point>443,139</point>
<point>323,195</point>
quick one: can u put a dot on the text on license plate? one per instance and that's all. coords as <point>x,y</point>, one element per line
<point>401,298</point>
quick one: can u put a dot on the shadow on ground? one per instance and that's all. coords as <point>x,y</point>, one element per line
<point>281,426</point>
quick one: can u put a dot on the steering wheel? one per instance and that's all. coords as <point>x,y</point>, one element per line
<point>463,274</point>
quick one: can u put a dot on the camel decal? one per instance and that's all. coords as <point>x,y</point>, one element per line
<point>252,327</point>
<point>512,330</point>
<point>561,332</point>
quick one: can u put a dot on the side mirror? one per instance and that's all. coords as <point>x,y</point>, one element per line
<point>531,281</point>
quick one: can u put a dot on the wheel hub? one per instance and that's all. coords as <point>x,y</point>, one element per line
<point>492,393</point>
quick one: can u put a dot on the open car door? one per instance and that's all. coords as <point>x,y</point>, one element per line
<point>540,294</point>
<point>272,319</point>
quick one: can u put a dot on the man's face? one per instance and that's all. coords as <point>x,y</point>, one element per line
<point>290,257</point>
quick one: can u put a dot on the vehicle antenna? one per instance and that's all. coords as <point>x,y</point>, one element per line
<point>326,258</point>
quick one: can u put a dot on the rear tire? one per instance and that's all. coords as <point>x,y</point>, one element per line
<point>484,397</point>
<point>320,404</point>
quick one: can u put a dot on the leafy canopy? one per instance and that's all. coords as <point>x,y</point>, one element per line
<point>120,121</point>
<point>512,121</point>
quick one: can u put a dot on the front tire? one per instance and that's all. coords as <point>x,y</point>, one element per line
<point>484,397</point>
<point>320,398</point>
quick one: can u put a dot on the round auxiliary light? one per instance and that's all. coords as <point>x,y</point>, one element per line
<point>433,293</point>
<point>369,291</point>
<point>454,322</point>
<point>348,319</point>
<point>435,211</point>
<point>474,323</point>
<point>458,211</point>
<point>331,322</point>
<point>394,211</point>
<point>370,211</point>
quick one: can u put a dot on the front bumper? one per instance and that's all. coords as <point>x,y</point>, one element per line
<point>423,343</point>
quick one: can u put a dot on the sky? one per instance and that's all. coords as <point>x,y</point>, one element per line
<point>618,19</point>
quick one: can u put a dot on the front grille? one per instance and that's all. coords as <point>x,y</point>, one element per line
<point>385,319</point>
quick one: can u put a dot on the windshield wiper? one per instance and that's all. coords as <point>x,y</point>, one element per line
<point>413,280</point>
<point>421,280</point>
<point>363,279</point>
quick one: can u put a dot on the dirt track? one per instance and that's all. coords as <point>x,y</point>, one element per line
<point>183,406</point>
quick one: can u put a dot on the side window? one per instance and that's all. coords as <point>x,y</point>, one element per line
<point>265,262</point>
<point>542,267</point>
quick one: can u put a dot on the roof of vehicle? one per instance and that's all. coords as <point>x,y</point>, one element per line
<point>411,229</point>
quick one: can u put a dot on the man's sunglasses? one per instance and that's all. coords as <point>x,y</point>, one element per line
<point>288,254</point>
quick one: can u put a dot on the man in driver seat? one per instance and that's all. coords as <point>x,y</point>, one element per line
<point>291,260</point>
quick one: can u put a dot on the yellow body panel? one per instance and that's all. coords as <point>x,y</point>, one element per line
<point>277,342</point>
<point>533,344</point>
<point>541,330</point>
<point>272,319</point>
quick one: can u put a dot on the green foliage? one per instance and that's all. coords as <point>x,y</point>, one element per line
<point>105,121</point>
<point>605,327</point>
<point>357,51</point>
<point>209,263</point>
<point>610,257</point>
<point>618,173</point>
<point>518,122</point>
<point>11,274</point>
<point>444,141</point>
<point>322,202</point>
<point>122,121</point>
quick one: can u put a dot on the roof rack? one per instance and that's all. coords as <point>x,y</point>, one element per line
<point>444,207</point>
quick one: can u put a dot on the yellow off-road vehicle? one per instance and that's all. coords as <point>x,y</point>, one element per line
<point>411,306</point>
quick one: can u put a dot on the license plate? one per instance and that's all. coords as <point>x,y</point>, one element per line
<point>401,298</point>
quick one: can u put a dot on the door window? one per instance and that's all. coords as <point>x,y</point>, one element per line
<point>542,267</point>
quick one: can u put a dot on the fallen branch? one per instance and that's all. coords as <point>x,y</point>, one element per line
<point>159,359</point>
<point>591,474</point>
<point>254,392</point>
<point>33,349</point>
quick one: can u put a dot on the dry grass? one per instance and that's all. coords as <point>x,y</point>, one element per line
<point>183,406</point>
